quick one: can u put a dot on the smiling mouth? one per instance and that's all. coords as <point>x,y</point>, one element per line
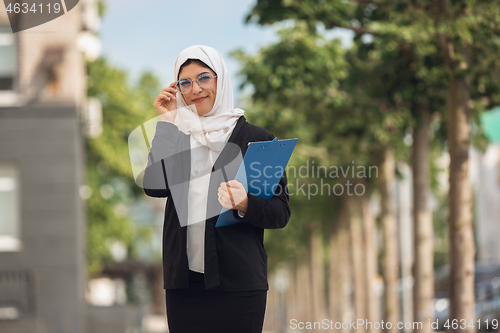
<point>201,99</point>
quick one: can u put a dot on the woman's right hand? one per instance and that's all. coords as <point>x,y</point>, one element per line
<point>166,103</point>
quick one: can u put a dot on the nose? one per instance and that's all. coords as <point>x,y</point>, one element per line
<point>196,87</point>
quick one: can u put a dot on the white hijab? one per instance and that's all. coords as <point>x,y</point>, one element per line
<point>206,131</point>
<point>218,124</point>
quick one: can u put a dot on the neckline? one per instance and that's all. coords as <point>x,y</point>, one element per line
<point>242,122</point>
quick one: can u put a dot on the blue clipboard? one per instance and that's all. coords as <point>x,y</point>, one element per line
<point>260,172</point>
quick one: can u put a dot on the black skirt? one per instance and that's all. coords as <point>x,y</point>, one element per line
<point>196,310</point>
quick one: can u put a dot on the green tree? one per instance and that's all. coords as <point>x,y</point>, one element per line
<point>109,173</point>
<point>468,35</point>
<point>301,83</point>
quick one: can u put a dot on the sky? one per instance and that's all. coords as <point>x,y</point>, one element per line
<point>148,34</point>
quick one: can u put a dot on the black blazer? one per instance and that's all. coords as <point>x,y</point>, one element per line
<point>235,258</point>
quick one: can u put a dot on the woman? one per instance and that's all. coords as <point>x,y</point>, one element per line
<point>215,278</point>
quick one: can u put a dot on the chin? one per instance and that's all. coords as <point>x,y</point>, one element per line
<point>198,110</point>
<point>202,112</point>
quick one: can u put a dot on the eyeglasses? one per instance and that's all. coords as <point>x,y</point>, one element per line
<point>205,80</point>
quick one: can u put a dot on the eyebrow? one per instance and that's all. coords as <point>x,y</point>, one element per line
<point>196,75</point>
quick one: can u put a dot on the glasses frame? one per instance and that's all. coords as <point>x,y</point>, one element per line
<point>205,74</point>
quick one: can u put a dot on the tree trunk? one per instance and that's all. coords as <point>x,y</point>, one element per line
<point>462,248</point>
<point>370,249</point>
<point>339,276</point>
<point>304,293</point>
<point>423,270</point>
<point>389,232</point>
<point>334,274</point>
<point>356,229</point>
<point>317,273</point>
<point>405,225</point>
<point>292,294</point>
<point>347,305</point>
<point>271,320</point>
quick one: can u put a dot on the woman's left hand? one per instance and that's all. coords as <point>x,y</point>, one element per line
<point>233,190</point>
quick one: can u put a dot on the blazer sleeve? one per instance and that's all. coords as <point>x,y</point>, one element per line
<point>163,146</point>
<point>273,213</point>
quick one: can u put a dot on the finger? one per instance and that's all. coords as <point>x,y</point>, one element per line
<point>227,204</point>
<point>224,203</point>
<point>163,95</point>
<point>172,84</point>
<point>235,184</point>
<point>223,189</point>
<point>160,101</point>
<point>168,97</point>
<point>172,90</point>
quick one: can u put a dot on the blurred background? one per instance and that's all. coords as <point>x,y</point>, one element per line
<point>394,184</point>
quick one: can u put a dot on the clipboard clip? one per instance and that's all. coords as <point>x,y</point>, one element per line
<point>275,139</point>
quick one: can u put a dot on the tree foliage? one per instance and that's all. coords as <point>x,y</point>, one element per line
<point>109,173</point>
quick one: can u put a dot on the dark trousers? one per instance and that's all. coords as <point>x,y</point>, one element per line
<point>196,310</point>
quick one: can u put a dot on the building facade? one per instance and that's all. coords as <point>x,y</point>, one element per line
<point>42,248</point>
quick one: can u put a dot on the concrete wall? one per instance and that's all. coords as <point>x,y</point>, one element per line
<point>46,146</point>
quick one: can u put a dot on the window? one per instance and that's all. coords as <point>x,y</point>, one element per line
<point>8,62</point>
<point>9,208</point>
<point>8,66</point>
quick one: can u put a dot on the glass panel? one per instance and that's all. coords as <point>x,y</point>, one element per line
<point>9,206</point>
